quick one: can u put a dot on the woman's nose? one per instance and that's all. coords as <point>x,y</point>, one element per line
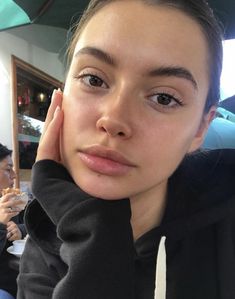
<point>113,127</point>
<point>115,119</point>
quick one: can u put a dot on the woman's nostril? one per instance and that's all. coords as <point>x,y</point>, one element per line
<point>113,127</point>
<point>121,134</point>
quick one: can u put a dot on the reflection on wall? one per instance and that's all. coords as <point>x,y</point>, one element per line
<point>33,95</point>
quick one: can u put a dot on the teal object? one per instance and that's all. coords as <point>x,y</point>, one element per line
<point>221,134</point>
<point>61,13</point>
<point>12,15</point>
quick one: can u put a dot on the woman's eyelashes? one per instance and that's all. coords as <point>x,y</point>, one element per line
<point>164,100</point>
<point>159,100</point>
<point>92,80</point>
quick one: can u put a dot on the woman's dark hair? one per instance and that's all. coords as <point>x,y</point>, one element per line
<point>4,152</point>
<point>198,10</point>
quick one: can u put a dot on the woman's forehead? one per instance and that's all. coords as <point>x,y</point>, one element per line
<point>131,24</point>
<point>133,32</point>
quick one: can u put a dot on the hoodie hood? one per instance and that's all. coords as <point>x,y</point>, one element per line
<point>200,192</point>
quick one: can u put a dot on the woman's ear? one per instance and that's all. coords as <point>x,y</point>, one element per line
<point>202,130</point>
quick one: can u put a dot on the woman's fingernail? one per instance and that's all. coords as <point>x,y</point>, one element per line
<point>53,93</point>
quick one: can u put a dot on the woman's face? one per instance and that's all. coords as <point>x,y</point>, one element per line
<point>134,99</point>
<point>7,174</point>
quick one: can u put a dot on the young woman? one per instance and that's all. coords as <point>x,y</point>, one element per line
<point>11,225</point>
<point>118,171</point>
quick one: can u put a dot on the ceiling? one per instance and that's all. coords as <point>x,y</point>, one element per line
<point>51,39</point>
<point>60,13</point>
<point>50,20</point>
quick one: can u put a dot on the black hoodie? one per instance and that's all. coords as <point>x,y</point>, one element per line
<point>82,247</point>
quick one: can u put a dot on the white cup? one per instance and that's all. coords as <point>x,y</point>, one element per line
<point>18,245</point>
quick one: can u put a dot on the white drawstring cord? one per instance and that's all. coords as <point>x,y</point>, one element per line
<point>160,282</point>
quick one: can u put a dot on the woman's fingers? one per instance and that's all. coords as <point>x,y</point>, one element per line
<point>6,197</point>
<point>6,214</point>
<point>8,204</point>
<point>49,146</point>
<point>13,231</point>
<point>10,225</point>
<point>56,100</point>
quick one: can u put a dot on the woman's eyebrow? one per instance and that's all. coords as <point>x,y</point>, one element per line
<point>174,71</point>
<point>97,53</point>
<point>166,71</point>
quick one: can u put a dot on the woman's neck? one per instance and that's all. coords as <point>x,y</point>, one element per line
<point>148,209</point>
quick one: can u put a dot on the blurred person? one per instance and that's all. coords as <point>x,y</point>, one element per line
<point>11,224</point>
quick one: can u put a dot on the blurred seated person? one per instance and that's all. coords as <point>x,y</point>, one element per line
<point>11,225</point>
<point>221,132</point>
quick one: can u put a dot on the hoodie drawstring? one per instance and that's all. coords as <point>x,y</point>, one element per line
<point>160,282</point>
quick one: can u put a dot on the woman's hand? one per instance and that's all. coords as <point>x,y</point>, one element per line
<point>49,145</point>
<point>13,231</point>
<point>8,207</point>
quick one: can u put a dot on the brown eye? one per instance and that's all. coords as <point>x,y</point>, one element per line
<point>164,99</point>
<point>93,81</point>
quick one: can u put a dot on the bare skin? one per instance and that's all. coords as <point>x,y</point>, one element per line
<point>8,207</point>
<point>13,231</point>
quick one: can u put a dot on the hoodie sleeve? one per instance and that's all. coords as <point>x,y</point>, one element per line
<point>97,242</point>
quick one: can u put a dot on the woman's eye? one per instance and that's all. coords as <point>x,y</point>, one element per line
<point>93,81</point>
<point>165,100</point>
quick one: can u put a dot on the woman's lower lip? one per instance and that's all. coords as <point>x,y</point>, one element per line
<point>103,165</point>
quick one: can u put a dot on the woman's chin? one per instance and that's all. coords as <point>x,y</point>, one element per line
<point>100,191</point>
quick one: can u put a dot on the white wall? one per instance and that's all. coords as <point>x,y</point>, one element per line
<point>46,61</point>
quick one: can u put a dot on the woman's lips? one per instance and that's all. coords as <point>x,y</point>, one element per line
<point>105,161</point>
